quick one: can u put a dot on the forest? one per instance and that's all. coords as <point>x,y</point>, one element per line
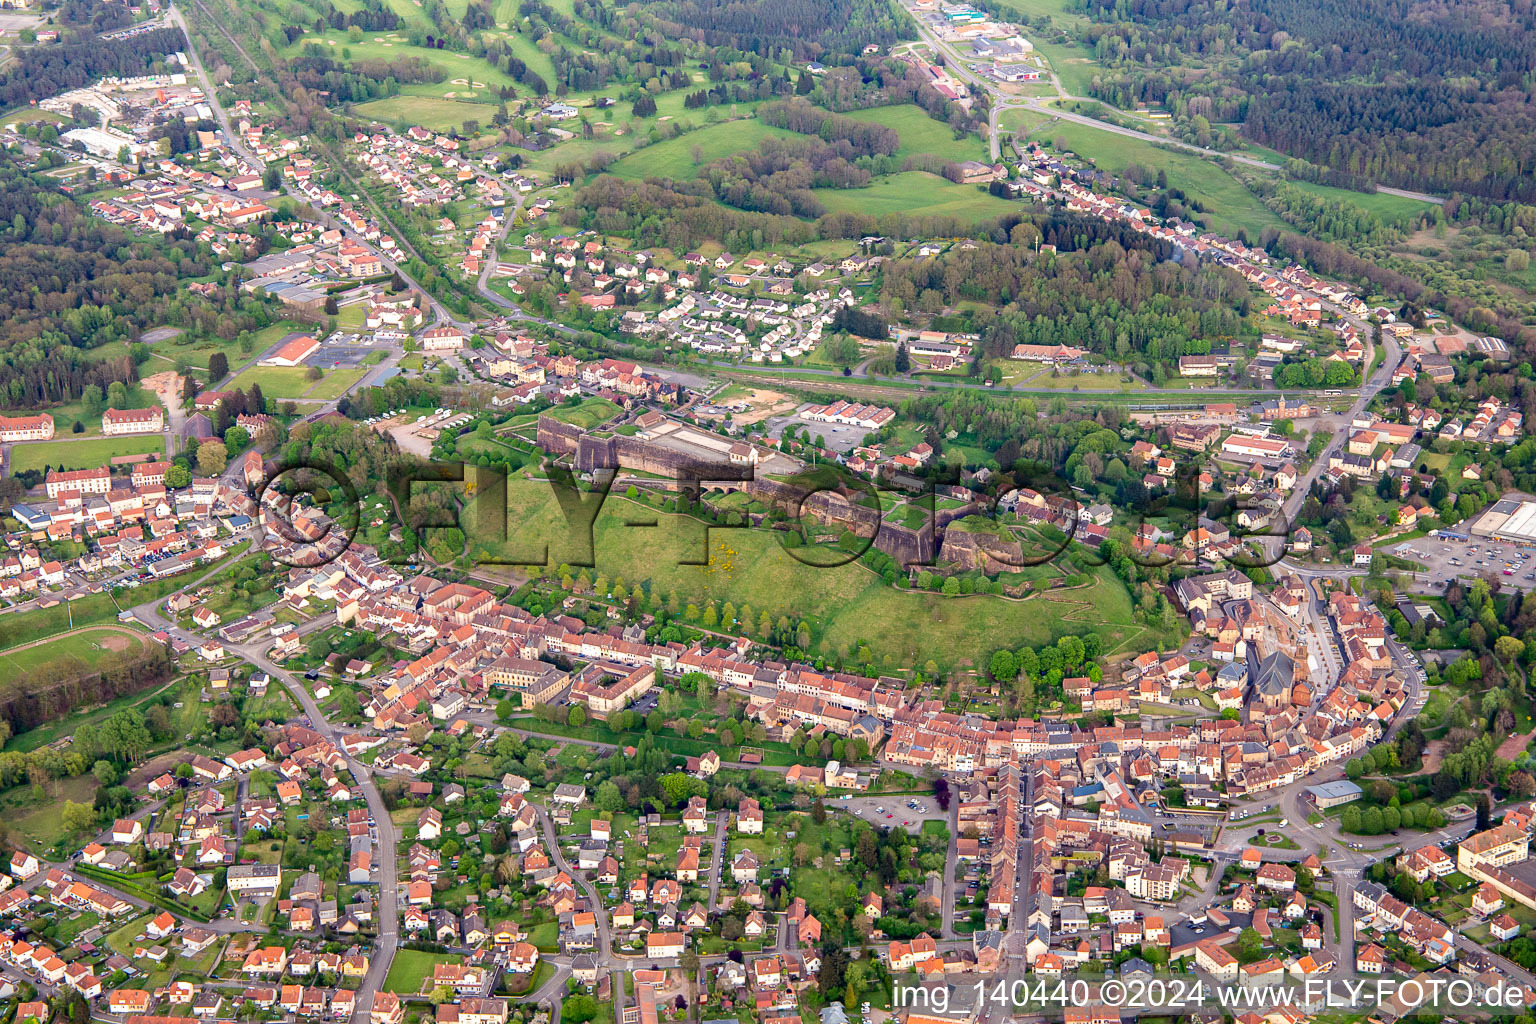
<point>681,215</point>
<point>808,29</point>
<point>42,71</point>
<point>1114,296</point>
<point>1426,96</point>
<point>70,282</point>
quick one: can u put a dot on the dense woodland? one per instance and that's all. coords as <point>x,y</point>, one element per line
<point>42,71</point>
<point>1408,93</point>
<point>71,283</point>
<point>1116,296</point>
<point>801,28</point>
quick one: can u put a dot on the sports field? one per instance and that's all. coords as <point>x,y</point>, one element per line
<point>86,644</point>
<point>65,452</point>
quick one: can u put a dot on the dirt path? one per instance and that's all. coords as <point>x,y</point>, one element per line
<point>1434,753</point>
<point>1511,747</point>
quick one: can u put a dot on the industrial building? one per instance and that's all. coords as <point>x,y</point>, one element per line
<point>1511,519</point>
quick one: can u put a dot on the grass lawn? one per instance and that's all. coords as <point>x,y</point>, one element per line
<point>94,715</point>
<point>1389,208</point>
<point>196,351</point>
<point>915,191</point>
<point>845,606</point>
<point>1205,699</point>
<point>98,608</point>
<point>393,46</point>
<point>86,645</point>
<point>921,133</point>
<point>64,416</point>
<point>334,384</point>
<point>674,157</point>
<point>87,454</point>
<point>277,381</point>
<point>589,413</point>
<point>38,821</point>
<point>545,936</point>
<point>64,931</point>
<point>411,967</point>
<point>1229,205</point>
<point>28,115</point>
<point>434,114</point>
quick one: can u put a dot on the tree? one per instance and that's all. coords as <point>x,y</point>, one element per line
<point>1002,666</point>
<point>77,817</point>
<point>212,457</point>
<point>1250,945</point>
<point>1508,648</point>
<point>106,773</point>
<point>903,358</point>
<point>608,798</point>
<point>577,717</point>
<point>218,367</point>
<point>579,1009</point>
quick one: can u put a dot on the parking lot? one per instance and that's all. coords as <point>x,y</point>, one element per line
<point>839,437</point>
<point>890,811</point>
<point>1445,560</point>
<point>344,351</point>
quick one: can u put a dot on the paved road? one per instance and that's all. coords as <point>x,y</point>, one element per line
<point>389,898</point>
<point>604,940</point>
<point>951,862</point>
<point>439,312</point>
<point>511,309</point>
<point>717,858</point>
<point>998,102</point>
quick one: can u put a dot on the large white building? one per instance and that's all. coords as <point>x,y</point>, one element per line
<point>26,428</point>
<point>103,143</point>
<point>1246,446</point>
<point>116,422</point>
<point>83,481</point>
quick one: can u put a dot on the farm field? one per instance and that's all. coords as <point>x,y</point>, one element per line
<point>68,453</point>
<point>921,133</point>
<point>1231,206</point>
<point>436,114</point>
<point>915,191</point>
<point>393,46</point>
<point>1387,207</point>
<point>674,157</point>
